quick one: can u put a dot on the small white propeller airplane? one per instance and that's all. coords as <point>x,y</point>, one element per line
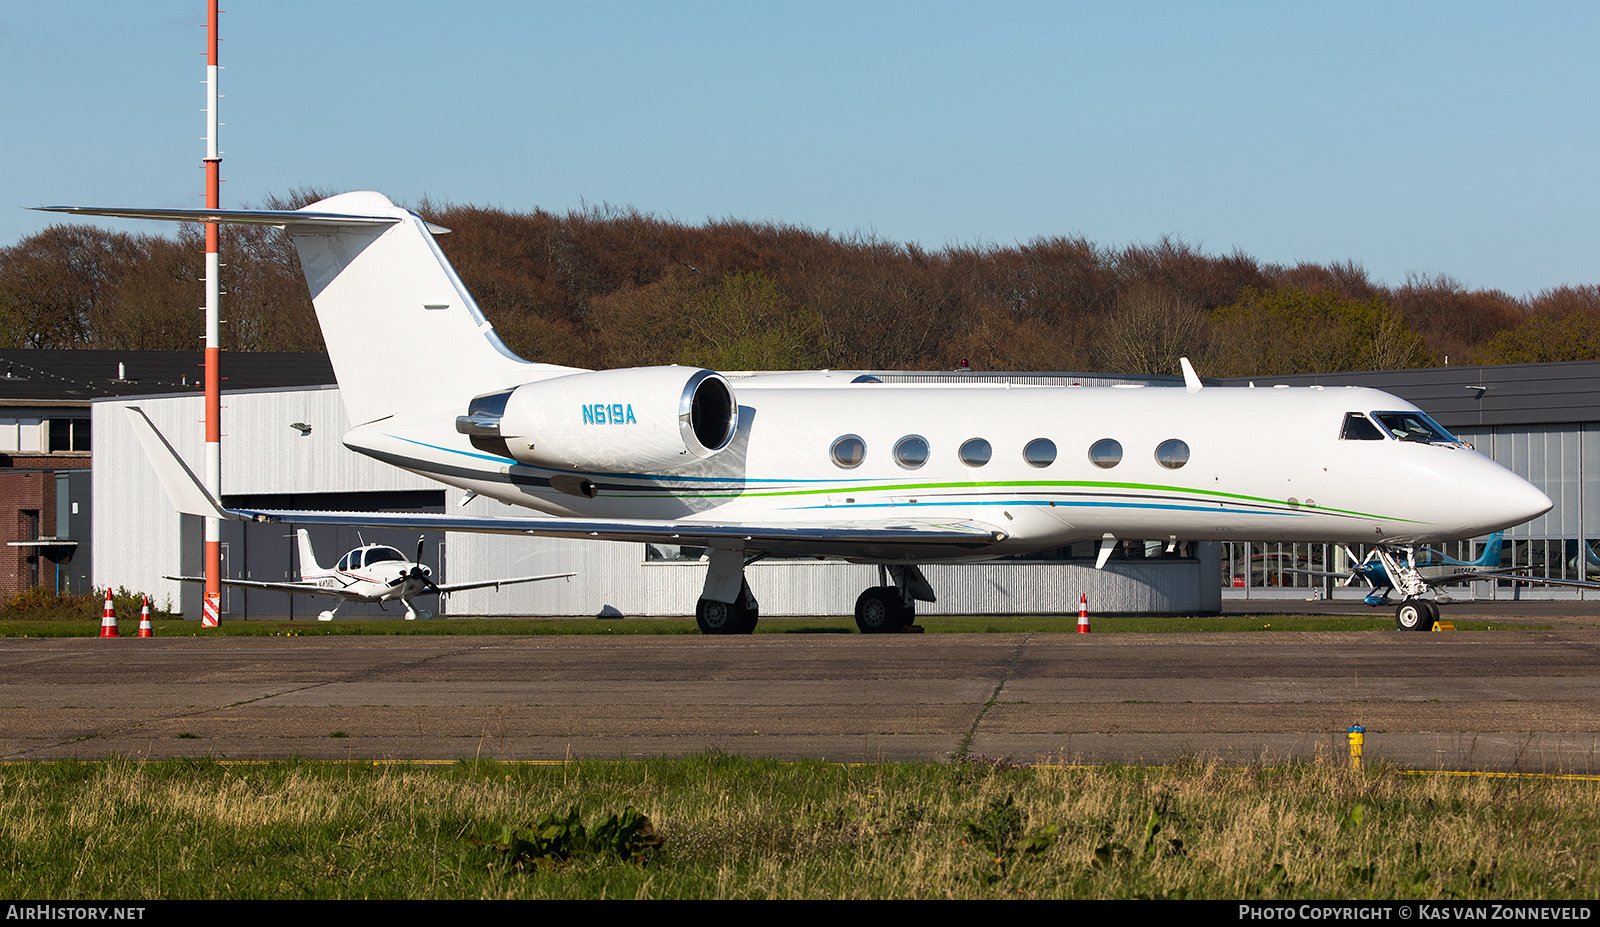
<point>371,573</point>
<point>824,464</point>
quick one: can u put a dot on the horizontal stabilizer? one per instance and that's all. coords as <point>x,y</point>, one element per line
<point>403,333</point>
<point>281,218</point>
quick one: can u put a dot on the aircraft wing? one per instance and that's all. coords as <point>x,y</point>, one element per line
<point>1536,580</point>
<point>295,588</point>
<point>867,539</point>
<point>1464,576</point>
<point>497,583</point>
<point>1347,574</point>
<point>801,538</point>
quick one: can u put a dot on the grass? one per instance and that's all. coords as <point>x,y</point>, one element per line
<point>749,828</point>
<point>14,626</point>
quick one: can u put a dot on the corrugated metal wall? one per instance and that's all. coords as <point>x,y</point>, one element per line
<point>139,538</point>
<point>616,579</point>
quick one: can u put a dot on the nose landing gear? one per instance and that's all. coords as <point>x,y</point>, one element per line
<point>1416,615</point>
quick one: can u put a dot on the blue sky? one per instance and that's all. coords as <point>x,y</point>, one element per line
<point>1454,138</point>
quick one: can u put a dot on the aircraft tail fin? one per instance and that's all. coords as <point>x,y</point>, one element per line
<point>1490,558</point>
<point>308,557</point>
<point>402,331</point>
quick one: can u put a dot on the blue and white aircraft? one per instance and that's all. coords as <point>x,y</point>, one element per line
<point>1435,568</point>
<point>828,464</point>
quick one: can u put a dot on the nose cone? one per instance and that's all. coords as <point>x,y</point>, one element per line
<point>1493,498</point>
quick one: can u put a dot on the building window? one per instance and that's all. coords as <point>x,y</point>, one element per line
<point>69,434</point>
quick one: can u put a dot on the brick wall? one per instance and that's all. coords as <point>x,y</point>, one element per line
<point>27,507</point>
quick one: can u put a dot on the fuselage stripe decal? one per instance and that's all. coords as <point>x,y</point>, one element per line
<point>731,489</point>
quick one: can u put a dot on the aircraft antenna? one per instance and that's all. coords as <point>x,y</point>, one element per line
<point>211,611</point>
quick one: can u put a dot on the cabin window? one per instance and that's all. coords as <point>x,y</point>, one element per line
<point>1172,453</point>
<point>1414,426</point>
<point>344,562</point>
<point>911,451</point>
<point>1106,453</point>
<point>849,451</point>
<point>1040,452</point>
<point>1358,428</point>
<point>976,452</point>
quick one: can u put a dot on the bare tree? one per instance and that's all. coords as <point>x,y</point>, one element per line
<point>1150,330</point>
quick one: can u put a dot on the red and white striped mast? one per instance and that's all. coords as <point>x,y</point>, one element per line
<point>211,609</point>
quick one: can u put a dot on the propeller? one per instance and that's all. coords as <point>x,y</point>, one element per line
<point>418,572</point>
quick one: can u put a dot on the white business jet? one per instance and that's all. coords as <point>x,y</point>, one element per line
<point>371,573</point>
<point>826,464</point>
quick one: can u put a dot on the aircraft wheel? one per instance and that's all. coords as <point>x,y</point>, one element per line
<point>878,611</point>
<point>748,618</point>
<point>1416,615</point>
<point>715,617</point>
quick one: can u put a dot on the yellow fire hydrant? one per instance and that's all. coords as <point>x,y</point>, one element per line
<point>1358,736</point>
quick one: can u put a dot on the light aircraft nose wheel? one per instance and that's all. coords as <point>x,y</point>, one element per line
<point>878,611</point>
<point>1416,615</point>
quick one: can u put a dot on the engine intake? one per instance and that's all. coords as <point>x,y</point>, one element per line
<point>634,420</point>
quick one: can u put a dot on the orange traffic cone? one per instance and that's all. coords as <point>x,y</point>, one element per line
<point>1083,613</point>
<point>145,630</point>
<point>108,620</point>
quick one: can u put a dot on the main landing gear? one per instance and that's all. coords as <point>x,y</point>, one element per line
<point>883,609</point>
<point>736,617</point>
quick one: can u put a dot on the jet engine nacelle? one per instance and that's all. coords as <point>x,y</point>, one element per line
<point>634,420</point>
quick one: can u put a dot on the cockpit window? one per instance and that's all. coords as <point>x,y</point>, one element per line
<point>1414,426</point>
<point>1358,427</point>
<point>380,554</point>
